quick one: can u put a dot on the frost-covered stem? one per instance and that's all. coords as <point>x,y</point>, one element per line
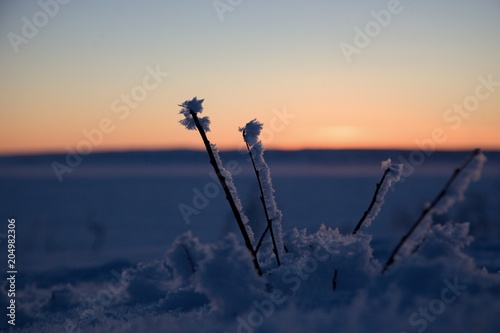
<point>229,197</point>
<point>429,208</point>
<point>263,201</point>
<point>374,199</point>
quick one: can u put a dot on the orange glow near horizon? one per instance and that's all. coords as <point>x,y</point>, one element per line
<point>148,127</point>
<point>294,137</point>
<point>372,122</point>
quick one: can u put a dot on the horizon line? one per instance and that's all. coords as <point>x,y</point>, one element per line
<point>201,150</point>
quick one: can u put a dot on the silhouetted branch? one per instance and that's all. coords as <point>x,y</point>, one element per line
<point>374,199</point>
<point>189,258</point>
<point>334,280</point>
<point>261,239</point>
<point>429,209</point>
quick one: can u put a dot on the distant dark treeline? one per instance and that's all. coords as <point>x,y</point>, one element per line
<point>283,156</point>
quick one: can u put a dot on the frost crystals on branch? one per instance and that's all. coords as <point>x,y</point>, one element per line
<point>453,191</point>
<point>194,106</point>
<point>251,133</point>
<point>190,110</point>
<point>392,175</point>
<point>232,188</point>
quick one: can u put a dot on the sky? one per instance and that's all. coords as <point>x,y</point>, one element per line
<point>109,75</point>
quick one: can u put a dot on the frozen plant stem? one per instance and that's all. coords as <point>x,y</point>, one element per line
<point>263,201</point>
<point>229,197</point>
<point>374,199</point>
<point>334,280</point>
<point>259,243</point>
<point>429,209</point>
<point>190,260</point>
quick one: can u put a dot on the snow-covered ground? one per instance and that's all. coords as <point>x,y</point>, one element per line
<point>110,248</point>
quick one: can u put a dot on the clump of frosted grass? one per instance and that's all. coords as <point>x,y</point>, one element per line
<point>251,132</point>
<point>190,110</point>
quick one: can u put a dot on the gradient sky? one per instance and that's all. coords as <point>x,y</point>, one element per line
<point>263,58</point>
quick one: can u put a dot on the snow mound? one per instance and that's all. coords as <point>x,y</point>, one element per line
<point>214,287</point>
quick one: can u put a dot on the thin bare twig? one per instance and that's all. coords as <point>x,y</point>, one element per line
<point>429,209</point>
<point>374,199</point>
<point>189,258</point>
<point>334,280</point>
<point>261,239</point>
